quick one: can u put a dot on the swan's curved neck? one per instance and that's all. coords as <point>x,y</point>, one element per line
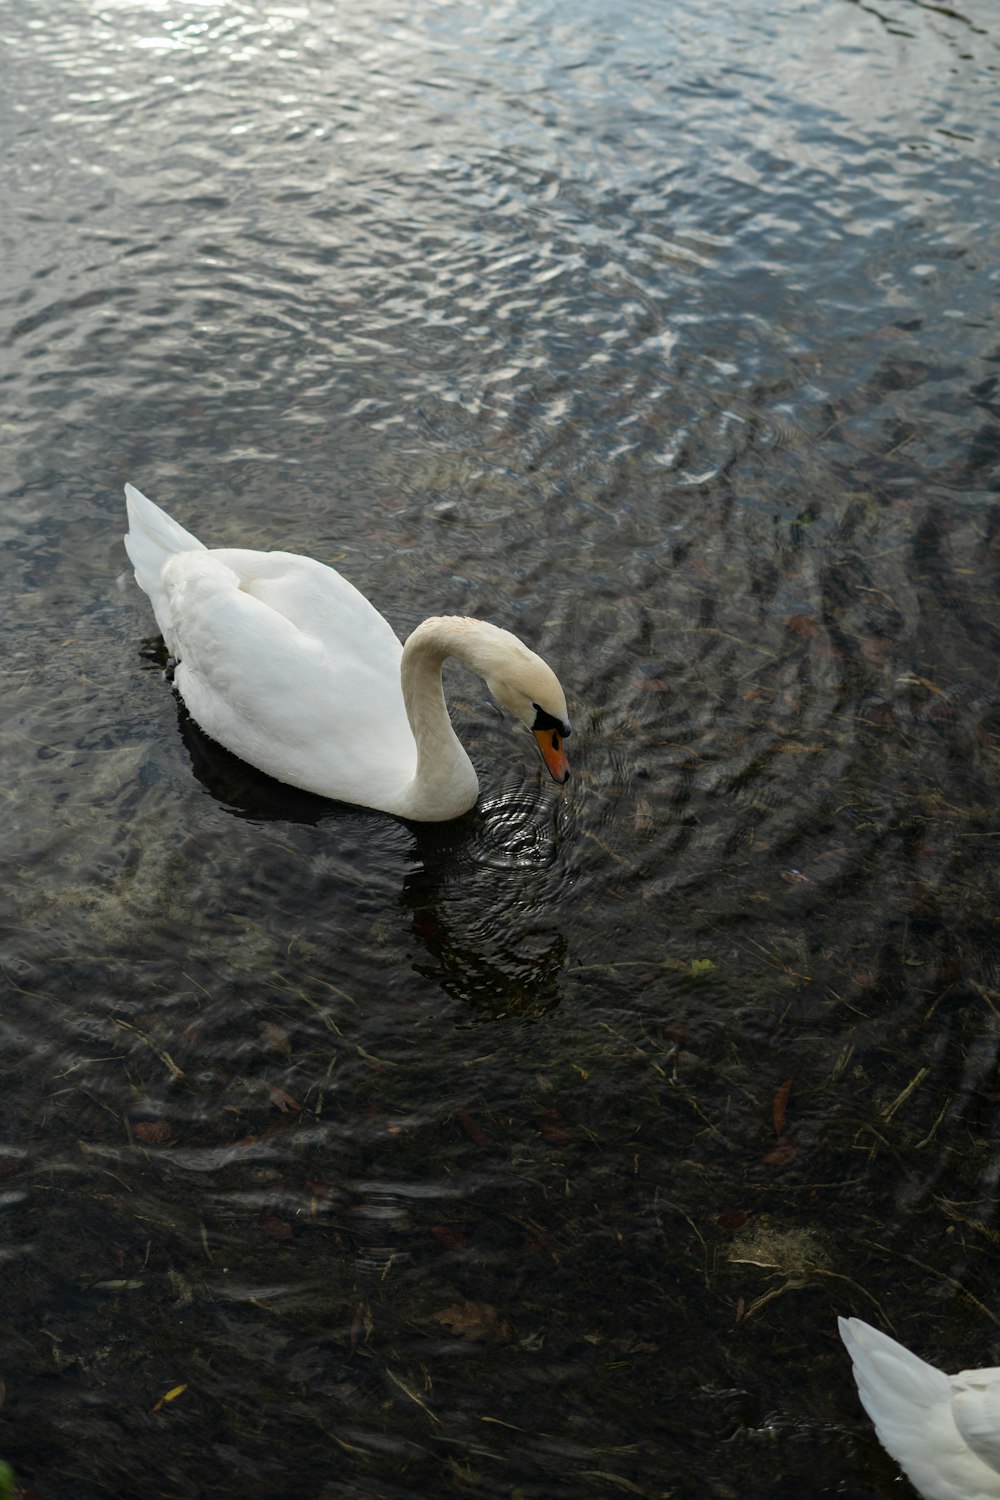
<point>445,783</point>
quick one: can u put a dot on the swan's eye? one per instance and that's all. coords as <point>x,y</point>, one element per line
<point>545,720</point>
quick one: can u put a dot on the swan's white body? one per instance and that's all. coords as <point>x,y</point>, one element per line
<point>287,665</point>
<point>943,1430</point>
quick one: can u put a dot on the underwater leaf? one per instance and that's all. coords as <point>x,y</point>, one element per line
<point>361,1323</point>
<point>552,1126</point>
<point>472,1128</point>
<point>780,1105</point>
<point>781,1153</point>
<point>449,1237</point>
<point>183,1288</point>
<point>172,1394</point>
<point>275,1038</point>
<point>474,1321</point>
<point>282,1100</point>
<point>277,1229</point>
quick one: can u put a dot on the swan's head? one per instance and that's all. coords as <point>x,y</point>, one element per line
<point>517,678</point>
<point>526,685</point>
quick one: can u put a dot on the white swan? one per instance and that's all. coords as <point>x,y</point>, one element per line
<point>287,665</point>
<point>943,1430</point>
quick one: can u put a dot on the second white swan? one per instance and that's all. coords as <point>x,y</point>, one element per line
<point>944,1430</point>
<point>287,665</point>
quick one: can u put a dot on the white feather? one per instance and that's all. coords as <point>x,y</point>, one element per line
<point>942,1430</point>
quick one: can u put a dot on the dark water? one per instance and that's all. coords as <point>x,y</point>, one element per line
<point>533,1155</point>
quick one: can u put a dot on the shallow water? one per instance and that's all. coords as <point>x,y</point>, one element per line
<point>535,1154</point>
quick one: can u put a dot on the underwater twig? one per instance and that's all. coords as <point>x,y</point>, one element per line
<point>409,1391</point>
<point>901,1098</point>
<point>161,1052</point>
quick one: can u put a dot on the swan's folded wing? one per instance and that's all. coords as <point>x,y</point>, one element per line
<point>315,705</point>
<point>977,1414</point>
<point>315,598</point>
<point>910,1404</point>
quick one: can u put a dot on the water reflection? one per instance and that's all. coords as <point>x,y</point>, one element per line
<point>242,789</point>
<point>486,912</point>
<point>477,896</point>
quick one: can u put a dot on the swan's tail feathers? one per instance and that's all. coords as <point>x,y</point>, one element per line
<point>897,1389</point>
<point>152,537</point>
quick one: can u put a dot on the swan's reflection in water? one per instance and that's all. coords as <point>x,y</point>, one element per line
<point>480,896</point>
<point>515,832</point>
<point>480,904</point>
<point>244,791</point>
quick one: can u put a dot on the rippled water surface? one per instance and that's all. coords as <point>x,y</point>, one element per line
<point>531,1155</point>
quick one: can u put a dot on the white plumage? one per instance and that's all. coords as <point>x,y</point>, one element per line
<point>287,665</point>
<point>942,1430</point>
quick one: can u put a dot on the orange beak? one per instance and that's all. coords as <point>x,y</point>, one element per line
<point>550,743</point>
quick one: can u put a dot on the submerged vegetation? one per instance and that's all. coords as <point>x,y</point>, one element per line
<point>533,1155</point>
